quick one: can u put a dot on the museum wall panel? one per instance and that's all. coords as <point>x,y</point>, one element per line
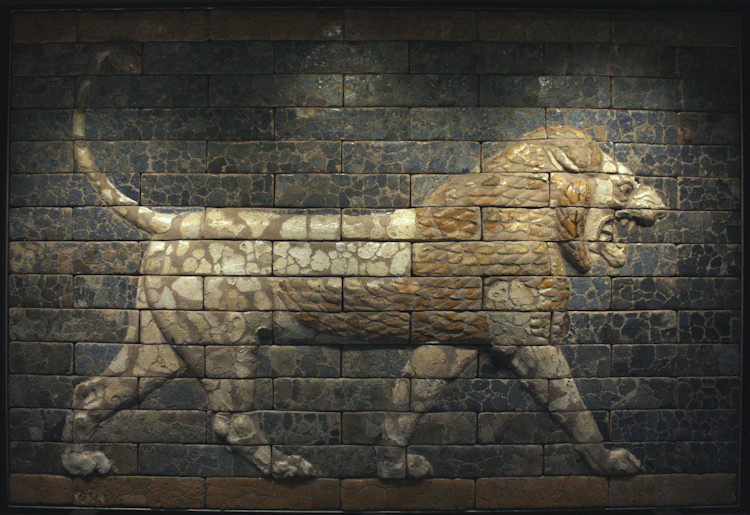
<point>374,259</point>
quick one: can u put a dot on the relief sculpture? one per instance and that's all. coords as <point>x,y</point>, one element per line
<point>249,277</point>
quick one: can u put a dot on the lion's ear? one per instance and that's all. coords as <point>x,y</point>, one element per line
<point>574,248</point>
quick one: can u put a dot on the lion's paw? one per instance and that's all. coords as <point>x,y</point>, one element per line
<point>605,462</point>
<point>291,466</point>
<point>84,463</point>
<point>418,467</point>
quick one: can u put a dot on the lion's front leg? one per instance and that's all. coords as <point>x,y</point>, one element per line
<point>566,406</point>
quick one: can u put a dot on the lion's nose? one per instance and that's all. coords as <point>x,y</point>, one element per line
<point>645,197</point>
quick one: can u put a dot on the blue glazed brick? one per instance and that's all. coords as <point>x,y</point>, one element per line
<point>40,223</point>
<point>38,124</point>
<point>680,160</point>
<point>149,156</point>
<point>710,326</point>
<point>543,91</point>
<point>105,291</point>
<point>41,157</point>
<point>474,395</point>
<point>37,391</point>
<point>274,157</point>
<point>63,189</point>
<point>342,190</point>
<point>193,460</point>
<point>687,227</point>
<point>66,325</point>
<point>208,57</point>
<point>467,123</point>
<point>708,128</point>
<point>410,90</point>
<point>481,461</point>
<point>207,190</point>
<point>628,393</point>
<point>350,123</point>
<point>534,427</point>
<point>708,259</point>
<point>410,157</point>
<point>620,126</point>
<point>101,223</point>
<point>302,90</point>
<point>675,360</point>
<point>675,425</point>
<point>675,94</point>
<point>708,393</point>
<point>46,457</point>
<point>476,57</point>
<point>675,293</point>
<point>149,91</point>
<point>207,123</point>
<point>620,327</point>
<point>71,58</point>
<point>42,92</point>
<point>698,193</point>
<point>702,62</point>
<point>342,57</point>
<point>589,360</point>
<point>37,424</point>
<point>40,358</point>
<point>609,60</point>
<point>590,293</point>
<point>40,291</point>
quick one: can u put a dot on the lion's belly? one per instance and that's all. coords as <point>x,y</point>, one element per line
<point>253,291</point>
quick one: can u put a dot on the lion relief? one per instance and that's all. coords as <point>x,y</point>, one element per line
<point>481,260</point>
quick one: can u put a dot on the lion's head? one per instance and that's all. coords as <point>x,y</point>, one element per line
<point>591,191</point>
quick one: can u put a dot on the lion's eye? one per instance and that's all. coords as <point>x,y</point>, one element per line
<point>626,188</point>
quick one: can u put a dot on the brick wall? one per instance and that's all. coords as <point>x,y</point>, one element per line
<point>329,113</point>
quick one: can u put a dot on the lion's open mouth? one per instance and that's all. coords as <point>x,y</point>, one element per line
<point>605,246</point>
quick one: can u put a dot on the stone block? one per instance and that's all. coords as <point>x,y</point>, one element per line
<point>620,327</point>
<point>300,361</point>
<point>410,90</point>
<point>527,428</point>
<point>298,90</point>
<point>141,426</point>
<point>101,223</point>
<point>676,360</point>
<point>72,59</point>
<point>711,260</point>
<point>41,157</point>
<point>40,223</point>
<point>425,361</point>
<point>675,425</point>
<point>702,62</point>
<point>422,223</point>
<point>410,156</point>
<point>212,257</point>
<point>46,457</point>
<point>42,92</point>
<point>206,123</point>
<point>506,328</point>
<point>273,224</point>
<point>274,157</point>
<point>197,460</point>
<point>342,190</point>
<point>140,491</point>
<point>40,291</point>
<point>208,57</point>
<point>674,94</point>
<point>708,128</point>
<point>37,424</point>
<point>480,258</point>
<point>543,91</point>
<point>63,189</point>
<point>305,394</point>
<point>156,25</point>
<point>276,24</point>
<point>680,160</point>
<point>608,60</point>
<point>341,258</point>
<point>532,293</point>
<point>476,394</point>
<point>272,293</point>
<point>417,293</point>
<point>382,428</point>
<point>40,358</point>
<point>40,489</point>
<point>673,490</point>
<point>149,91</point>
<point>369,123</point>
<point>476,57</point>
<point>342,57</point>
<point>105,325</point>
<point>44,27</point>
<point>207,327</point>
<point>620,125</point>
<point>541,492</point>
<point>561,26</point>
<point>271,494</point>
<point>149,156</point>
<point>709,326</point>
<point>479,461</point>
<point>690,29</point>
<point>626,393</point>
<point>491,190</point>
<point>708,393</point>
<point>697,193</point>
<point>474,123</point>
<point>676,293</point>
<point>687,227</point>
<point>207,190</point>
<point>349,328</point>
<point>428,494</point>
<point>116,359</point>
